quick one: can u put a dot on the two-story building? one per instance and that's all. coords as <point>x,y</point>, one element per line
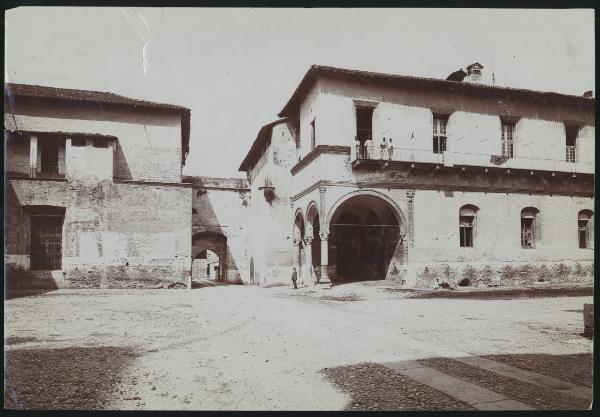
<point>94,193</point>
<point>412,179</point>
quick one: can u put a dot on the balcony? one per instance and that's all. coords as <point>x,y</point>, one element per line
<point>449,159</point>
<point>26,170</point>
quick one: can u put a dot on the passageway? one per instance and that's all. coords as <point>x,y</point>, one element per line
<point>365,232</point>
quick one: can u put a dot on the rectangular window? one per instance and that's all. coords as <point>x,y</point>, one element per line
<point>466,231</point>
<point>439,134</point>
<point>364,124</point>
<point>571,143</point>
<point>77,141</point>
<point>527,237</point>
<point>312,134</point>
<point>508,132</point>
<point>46,242</point>
<point>100,143</point>
<point>48,164</point>
<point>583,233</point>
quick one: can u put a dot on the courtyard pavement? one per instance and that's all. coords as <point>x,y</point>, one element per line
<point>361,346</point>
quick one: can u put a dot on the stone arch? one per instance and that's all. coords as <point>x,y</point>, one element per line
<point>214,242</point>
<point>366,237</point>
<point>313,228</point>
<point>299,224</point>
<point>397,211</point>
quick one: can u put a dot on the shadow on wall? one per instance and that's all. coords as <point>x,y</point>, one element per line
<point>72,378</point>
<point>19,282</point>
<point>121,168</point>
<point>370,384</point>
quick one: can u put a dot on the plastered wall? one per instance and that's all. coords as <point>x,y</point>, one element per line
<point>115,235</point>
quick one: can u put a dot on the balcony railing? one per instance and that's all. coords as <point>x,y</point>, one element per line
<point>450,158</point>
<point>25,170</point>
<point>570,154</point>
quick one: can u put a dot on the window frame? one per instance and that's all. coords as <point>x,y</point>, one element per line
<point>440,133</point>
<point>507,138</point>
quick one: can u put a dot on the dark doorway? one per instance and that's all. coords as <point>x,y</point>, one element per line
<point>49,156</point>
<point>46,242</point>
<point>364,236</point>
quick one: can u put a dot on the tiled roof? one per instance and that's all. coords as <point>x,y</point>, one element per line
<point>316,71</point>
<point>13,91</point>
<point>262,139</point>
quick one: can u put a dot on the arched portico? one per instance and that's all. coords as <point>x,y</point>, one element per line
<point>365,232</point>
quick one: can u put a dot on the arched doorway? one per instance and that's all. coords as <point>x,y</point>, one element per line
<point>299,236</point>
<point>313,228</point>
<point>209,250</point>
<point>206,265</point>
<point>365,236</point>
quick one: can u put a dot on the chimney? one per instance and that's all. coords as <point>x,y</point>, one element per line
<point>474,73</point>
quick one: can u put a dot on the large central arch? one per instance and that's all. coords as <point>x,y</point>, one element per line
<point>366,232</point>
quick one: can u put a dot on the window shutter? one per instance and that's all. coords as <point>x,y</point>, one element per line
<point>537,228</point>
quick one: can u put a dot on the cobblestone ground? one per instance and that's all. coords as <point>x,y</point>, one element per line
<point>374,387</point>
<point>248,348</point>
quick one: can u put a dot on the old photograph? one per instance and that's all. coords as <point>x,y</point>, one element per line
<point>275,209</point>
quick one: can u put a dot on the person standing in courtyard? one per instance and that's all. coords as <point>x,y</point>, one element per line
<point>390,150</point>
<point>294,278</point>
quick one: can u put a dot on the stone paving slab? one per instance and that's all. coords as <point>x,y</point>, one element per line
<point>474,395</point>
<point>538,397</point>
<point>529,377</point>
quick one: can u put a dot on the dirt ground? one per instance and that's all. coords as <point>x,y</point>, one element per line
<point>249,348</point>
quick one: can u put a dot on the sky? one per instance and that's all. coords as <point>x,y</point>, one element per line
<point>235,68</point>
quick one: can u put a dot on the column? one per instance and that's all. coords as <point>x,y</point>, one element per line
<point>33,142</point>
<point>308,278</point>
<point>296,258</point>
<point>324,257</point>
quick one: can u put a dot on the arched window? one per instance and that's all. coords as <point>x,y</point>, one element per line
<point>530,227</point>
<point>585,221</point>
<point>467,217</point>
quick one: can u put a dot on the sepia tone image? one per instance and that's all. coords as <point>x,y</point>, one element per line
<point>298,209</point>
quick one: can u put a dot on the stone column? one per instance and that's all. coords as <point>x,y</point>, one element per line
<point>324,257</point>
<point>33,142</point>
<point>410,195</point>
<point>296,258</point>
<point>307,278</point>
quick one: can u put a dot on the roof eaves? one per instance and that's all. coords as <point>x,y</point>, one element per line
<point>263,134</point>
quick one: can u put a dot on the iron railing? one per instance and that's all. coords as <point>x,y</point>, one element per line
<point>26,170</point>
<point>570,154</point>
<point>376,152</point>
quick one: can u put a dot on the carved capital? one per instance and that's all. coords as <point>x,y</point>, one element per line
<point>308,240</point>
<point>324,235</point>
<point>322,189</point>
<point>410,194</point>
<point>297,241</point>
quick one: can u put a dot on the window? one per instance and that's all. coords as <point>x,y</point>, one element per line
<point>364,123</point>
<point>48,163</point>
<point>585,223</point>
<point>508,132</point>
<point>78,142</point>
<point>530,227</point>
<point>467,222</point>
<point>312,134</point>
<point>439,134</point>
<point>571,142</point>
<point>100,143</point>
<point>46,242</point>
